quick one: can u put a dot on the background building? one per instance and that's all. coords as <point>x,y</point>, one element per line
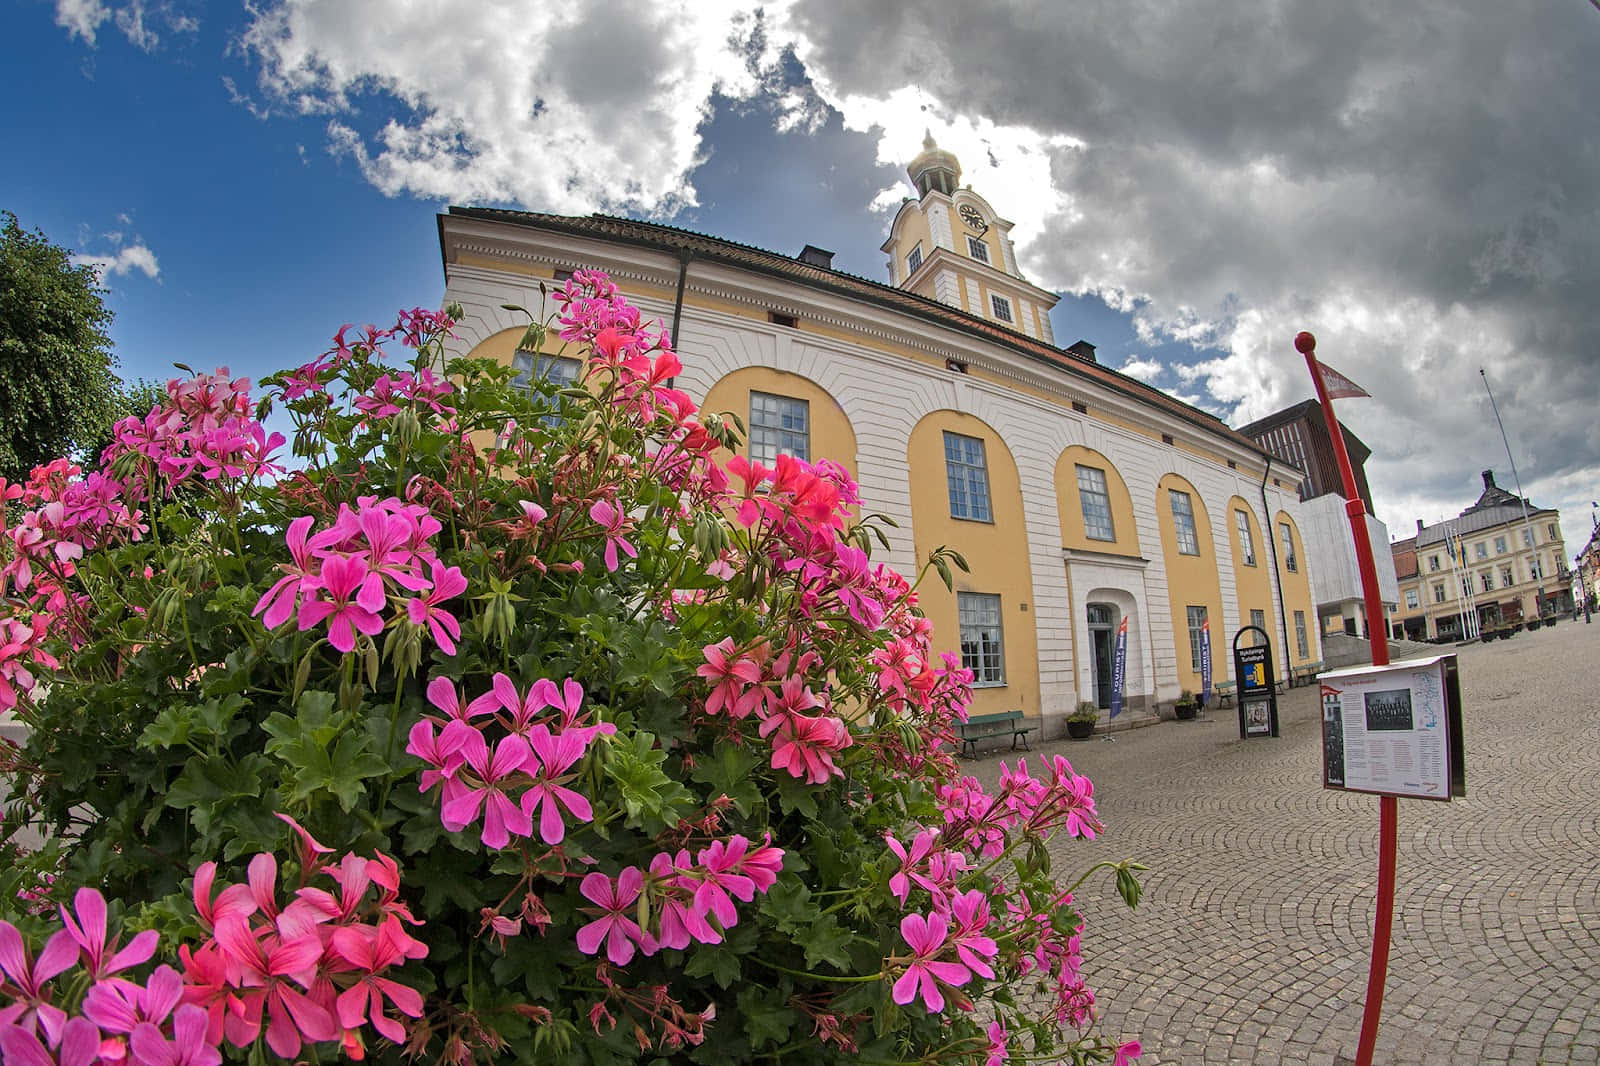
<point>1499,562</point>
<point>1299,436</point>
<point>1079,496</point>
<point>1587,572</point>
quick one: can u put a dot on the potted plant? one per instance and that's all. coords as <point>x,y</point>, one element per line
<point>1080,723</point>
<point>1186,707</point>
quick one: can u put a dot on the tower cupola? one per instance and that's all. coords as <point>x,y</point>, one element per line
<point>934,170</point>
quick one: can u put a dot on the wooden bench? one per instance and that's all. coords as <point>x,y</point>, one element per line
<point>979,726</point>
<point>1305,675</point>
<point>1223,691</point>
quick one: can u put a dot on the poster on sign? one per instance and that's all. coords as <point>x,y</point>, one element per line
<point>1394,730</point>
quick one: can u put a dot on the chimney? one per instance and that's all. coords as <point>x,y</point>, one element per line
<point>817,257</point>
<point>1419,525</point>
<point>1488,480</point>
<point>1083,350</point>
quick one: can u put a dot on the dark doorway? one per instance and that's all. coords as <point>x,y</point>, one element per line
<point>1102,638</point>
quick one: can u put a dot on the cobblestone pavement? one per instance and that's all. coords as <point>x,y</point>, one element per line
<point>1253,940</point>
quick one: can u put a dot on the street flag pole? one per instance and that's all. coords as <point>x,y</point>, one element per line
<point>1388,806</point>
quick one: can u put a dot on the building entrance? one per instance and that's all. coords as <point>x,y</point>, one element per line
<point>1102,639</point>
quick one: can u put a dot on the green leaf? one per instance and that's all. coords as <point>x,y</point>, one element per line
<point>728,771</point>
<point>715,961</point>
<point>651,799</point>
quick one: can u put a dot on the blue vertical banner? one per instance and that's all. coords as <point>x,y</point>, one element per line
<point>1205,660</point>
<point>1119,667</point>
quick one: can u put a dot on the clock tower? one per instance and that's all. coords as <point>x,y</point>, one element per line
<point>949,245</point>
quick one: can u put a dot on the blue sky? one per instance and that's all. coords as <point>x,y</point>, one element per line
<point>1414,181</point>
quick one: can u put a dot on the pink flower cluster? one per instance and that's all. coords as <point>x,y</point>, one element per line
<point>390,391</point>
<point>204,429</point>
<point>347,574</point>
<point>934,938</point>
<point>691,900</point>
<point>542,733</point>
<point>802,744</point>
<point>316,970</point>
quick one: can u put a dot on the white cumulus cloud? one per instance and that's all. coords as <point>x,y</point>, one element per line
<point>125,260</point>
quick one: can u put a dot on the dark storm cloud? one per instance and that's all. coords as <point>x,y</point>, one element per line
<point>1419,183</point>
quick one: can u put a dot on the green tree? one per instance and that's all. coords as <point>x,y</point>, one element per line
<point>58,388</point>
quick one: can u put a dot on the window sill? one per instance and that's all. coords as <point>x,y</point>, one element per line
<point>980,521</point>
<point>988,684</point>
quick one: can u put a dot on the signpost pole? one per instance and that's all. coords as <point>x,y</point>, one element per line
<point>1388,806</point>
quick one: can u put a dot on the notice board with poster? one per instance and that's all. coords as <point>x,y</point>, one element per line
<point>1394,730</point>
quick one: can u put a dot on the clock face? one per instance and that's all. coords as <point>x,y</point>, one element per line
<point>973,217</point>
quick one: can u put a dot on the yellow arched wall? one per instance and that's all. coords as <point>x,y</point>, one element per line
<point>1192,581</point>
<point>1070,508</point>
<point>1252,584</point>
<point>832,436</point>
<point>1296,590</point>
<point>912,229</point>
<point>997,552</point>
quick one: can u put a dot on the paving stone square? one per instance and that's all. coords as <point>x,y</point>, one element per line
<point>1253,940</point>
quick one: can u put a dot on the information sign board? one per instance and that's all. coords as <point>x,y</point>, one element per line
<point>1258,690</point>
<point>1394,730</point>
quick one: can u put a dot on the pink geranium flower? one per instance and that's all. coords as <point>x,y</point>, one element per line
<point>448,583</point>
<point>615,524</point>
<point>26,978</point>
<point>553,756</point>
<point>926,937</point>
<point>79,1045</point>
<point>997,1050</point>
<point>188,1046</point>
<point>120,1006</point>
<point>734,678</point>
<point>372,952</point>
<point>970,912</point>
<point>88,930</point>
<point>615,927</point>
<point>501,815</point>
<point>355,596</point>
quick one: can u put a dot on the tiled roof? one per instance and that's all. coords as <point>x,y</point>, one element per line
<point>749,257</point>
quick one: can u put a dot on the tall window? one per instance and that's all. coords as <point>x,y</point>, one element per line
<point>968,475</point>
<point>1002,307</point>
<point>978,249</point>
<point>1433,564</point>
<point>1487,580</point>
<point>559,370</point>
<point>914,260</point>
<point>1197,618</point>
<point>1551,529</point>
<point>1411,599</point>
<point>1438,592</point>
<point>1508,577</point>
<point>1290,563</point>
<point>1247,543</point>
<point>1500,545</point>
<point>1481,550</point>
<point>1259,620</point>
<point>1096,503</point>
<point>982,640</point>
<point>779,425</point>
<point>1300,643</point>
<point>1527,537</point>
<point>1183,522</point>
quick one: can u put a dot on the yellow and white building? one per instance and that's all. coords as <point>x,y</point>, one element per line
<point>1078,495</point>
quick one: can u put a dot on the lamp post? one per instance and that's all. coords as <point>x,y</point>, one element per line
<point>1527,527</point>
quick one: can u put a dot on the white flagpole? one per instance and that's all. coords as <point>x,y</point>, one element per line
<point>1527,527</point>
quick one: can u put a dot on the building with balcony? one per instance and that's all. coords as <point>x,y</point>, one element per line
<point>1498,563</point>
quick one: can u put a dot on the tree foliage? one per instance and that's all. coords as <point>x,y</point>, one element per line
<point>58,386</point>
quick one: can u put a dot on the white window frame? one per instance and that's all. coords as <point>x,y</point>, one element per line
<point>1195,622</point>
<point>1247,542</point>
<point>562,371</point>
<point>967,477</point>
<point>1184,530</point>
<point>1259,620</point>
<point>1433,564</point>
<point>1102,526</point>
<point>1500,545</point>
<point>770,440</point>
<point>1001,306</point>
<point>983,645</point>
<point>1508,576</point>
<point>1486,579</point>
<point>1413,601</point>
<point>1300,639</point>
<point>1438,592</point>
<point>914,259</point>
<point>1481,550</point>
<point>1291,562</point>
<point>977,249</point>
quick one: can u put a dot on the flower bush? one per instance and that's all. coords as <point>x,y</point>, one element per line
<point>629,752</point>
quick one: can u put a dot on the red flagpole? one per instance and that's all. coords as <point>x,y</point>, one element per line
<point>1388,807</point>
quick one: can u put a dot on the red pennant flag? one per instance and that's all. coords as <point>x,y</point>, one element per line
<point>1339,386</point>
